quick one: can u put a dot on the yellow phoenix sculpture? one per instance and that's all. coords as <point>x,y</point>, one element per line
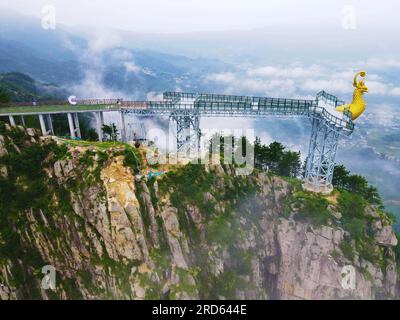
<point>357,106</point>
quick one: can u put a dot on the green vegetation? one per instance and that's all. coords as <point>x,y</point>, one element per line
<point>355,195</point>
<point>25,190</point>
<point>220,207</point>
<point>352,207</point>
<point>96,144</point>
<point>189,183</point>
<point>316,209</point>
<point>27,194</point>
<point>133,159</point>
<point>275,159</point>
<point>312,207</point>
<point>110,132</point>
<point>19,87</point>
<point>355,184</point>
<point>347,248</point>
<point>4,97</point>
<point>225,202</point>
<point>397,254</point>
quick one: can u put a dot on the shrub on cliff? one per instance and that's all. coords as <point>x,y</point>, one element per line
<point>355,184</point>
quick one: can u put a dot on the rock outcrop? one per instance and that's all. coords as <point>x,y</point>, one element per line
<point>197,232</point>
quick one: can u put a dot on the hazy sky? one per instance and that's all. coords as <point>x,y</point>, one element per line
<point>210,15</point>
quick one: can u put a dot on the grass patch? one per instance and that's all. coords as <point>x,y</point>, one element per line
<point>312,207</point>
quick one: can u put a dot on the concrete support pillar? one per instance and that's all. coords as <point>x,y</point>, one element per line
<point>71,125</point>
<point>12,121</point>
<point>50,123</point>
<point>123,129</point>
<point>23,121</point>
<point>42,125</point>
<point>99,124</point>
<point>78,128</point>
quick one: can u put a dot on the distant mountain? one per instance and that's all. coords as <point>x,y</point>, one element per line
<point>146,71</point>
<point>50,44</point>
<point>22,88</point>
<point>64,57</point>
<point>45,55</point>
<point>17,57</point>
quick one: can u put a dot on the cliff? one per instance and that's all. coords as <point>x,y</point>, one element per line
<point>110,232</point>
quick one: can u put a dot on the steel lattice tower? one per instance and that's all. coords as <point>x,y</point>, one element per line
<point>321,157</point>
<point>187,132</point>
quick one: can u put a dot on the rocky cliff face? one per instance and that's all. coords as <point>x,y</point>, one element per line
<point>196,232</point>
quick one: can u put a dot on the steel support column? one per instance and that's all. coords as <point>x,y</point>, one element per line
<point>123,128</point>
<point>99,124</point>
<point>187,132</point>
<point>12,121</point>
<point>71,125</point>
<point>321,156</point>
<point>42,125</point>
<point>77,127</point>
<point>50,123</point>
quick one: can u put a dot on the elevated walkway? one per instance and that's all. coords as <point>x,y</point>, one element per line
<point>185,109</point>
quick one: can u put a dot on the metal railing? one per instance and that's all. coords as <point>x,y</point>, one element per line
<point>230,104</point>
<point>33,103</point>
<point>135,104</point>
<point>171,95</point>
<point>206,97</point>
<point>117,101</point>
<point>329,98</point>
<point>345,122</point>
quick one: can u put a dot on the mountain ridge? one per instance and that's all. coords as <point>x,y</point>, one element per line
<point>194,232</point>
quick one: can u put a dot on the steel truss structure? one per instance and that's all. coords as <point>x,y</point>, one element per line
<point>187,132</point>
<point>185,110</point>
<point>321,157</point>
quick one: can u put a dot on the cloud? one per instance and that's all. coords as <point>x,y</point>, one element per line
<point>295,72</point>
<point>154,96</point>
<point>316,85</point>
<point>382,64</point>
<point>227,77</point>
<point>106,39</point>
<point>92,87</point>
<point>121,54</point>
<point>383,114</point>
<point>132,67</point>
<point>395,91</point>
<point>304,80</point>
<point>102,51</point>
<point>377,87</point>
